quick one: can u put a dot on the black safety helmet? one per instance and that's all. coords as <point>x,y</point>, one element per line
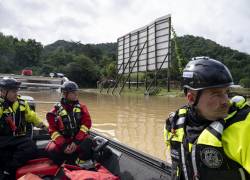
<point>69,86</point>
<point>9,83</point>
<point>203,73</point>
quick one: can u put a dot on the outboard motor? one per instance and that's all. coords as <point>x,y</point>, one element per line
<point>99,144</point>
<point>98,153</point>
<point>100,149</point>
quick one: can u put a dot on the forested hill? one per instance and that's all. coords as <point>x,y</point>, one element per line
<point>88,63</point>
<point>237,62</point>
<point>83,63</point>
<point>95,51</point>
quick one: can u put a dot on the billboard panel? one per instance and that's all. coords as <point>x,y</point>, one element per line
<point>146,48</point>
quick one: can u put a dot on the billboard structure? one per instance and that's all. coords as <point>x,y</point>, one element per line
<point>145,49</point>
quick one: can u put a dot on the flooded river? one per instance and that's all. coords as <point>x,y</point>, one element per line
<point>136,121</point>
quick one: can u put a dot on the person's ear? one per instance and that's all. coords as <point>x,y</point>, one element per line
<point>190,97</point>
<point>3,92</point>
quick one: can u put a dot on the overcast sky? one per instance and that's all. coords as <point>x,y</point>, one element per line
<point>97,21</point>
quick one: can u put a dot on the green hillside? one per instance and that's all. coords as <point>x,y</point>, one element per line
<point>88,63</point>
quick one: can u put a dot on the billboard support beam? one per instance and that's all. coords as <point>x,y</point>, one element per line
<point>119,78</point>
<point>155,79</point>
<point>147,90</point>
<point>153,57</point>
<point>132,68</point>
<point>169,55</point>
<point>146,76</point>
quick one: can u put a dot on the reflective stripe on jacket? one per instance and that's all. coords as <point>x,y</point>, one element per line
<point>66,112</point>
<point>205,158</point>
<point>16,116</point>
<point>235,138</point>
<point>71,121</point>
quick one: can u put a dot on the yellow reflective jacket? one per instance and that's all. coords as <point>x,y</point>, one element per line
<point>236,135</point>
<point>214,148</point>
<point>20,114</point>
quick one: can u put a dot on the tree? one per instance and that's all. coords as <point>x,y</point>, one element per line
<point>27,53</point>
<point>83,71</point>
<point>90,62</point>
<point>245,82</point>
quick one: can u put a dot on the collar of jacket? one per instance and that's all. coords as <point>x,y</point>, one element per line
<point>195,124</point>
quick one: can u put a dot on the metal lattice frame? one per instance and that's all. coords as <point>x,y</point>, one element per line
<point>143,50</point>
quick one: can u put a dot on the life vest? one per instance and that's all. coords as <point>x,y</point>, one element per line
<point>45,167</point>
<point>12,120</point>
<point>101,173</point>
<point>205,158</point>
<point>70,122</point>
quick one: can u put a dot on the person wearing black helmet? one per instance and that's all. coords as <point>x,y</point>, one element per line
<point>15,147</point>
<point>203,135</point>
<point>69,123</point>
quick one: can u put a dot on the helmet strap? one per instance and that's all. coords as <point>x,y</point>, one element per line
<point>185,91</point>
<point>67,101</point>
<point>66,95</point>
<point>6,94</point>
<point>197,98</point>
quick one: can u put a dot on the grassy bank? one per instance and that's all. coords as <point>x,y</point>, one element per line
<point>241,91</point>
<point>139,92</point>
<point>161,92</point>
